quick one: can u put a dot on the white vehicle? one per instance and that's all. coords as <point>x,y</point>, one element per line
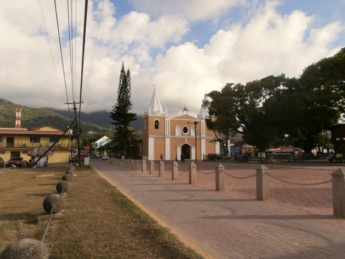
<point>105,157</point>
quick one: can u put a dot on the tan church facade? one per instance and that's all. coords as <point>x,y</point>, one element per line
<point>175,137</point>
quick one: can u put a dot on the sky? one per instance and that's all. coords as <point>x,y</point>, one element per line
<point>182,48</point>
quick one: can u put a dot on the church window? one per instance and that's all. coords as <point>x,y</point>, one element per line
<point>185,129</point>
<point>156,124</point>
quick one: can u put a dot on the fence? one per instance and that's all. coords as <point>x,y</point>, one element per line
<point>262,176</point>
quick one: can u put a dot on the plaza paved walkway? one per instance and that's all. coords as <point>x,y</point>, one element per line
<point>297,222</point>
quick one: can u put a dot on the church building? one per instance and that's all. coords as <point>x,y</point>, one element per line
<point>176,137</point>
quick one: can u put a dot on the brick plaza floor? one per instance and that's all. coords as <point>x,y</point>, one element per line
<point>297,221</point>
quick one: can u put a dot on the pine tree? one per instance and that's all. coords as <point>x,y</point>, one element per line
<point>124,137</point>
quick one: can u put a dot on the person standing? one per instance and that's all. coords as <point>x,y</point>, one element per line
<point>161,157</point>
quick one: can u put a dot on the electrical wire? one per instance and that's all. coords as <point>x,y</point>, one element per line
<point>94,47</point>
<point>70,14</point>
<point>63,66</point>
<point>75,42</point>
<point>82,59</point>
<point>51,52</point>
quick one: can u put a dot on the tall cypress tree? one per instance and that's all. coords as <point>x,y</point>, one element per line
<point>124,135</point>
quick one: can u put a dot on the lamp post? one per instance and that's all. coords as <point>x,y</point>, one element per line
<point>196,153</point>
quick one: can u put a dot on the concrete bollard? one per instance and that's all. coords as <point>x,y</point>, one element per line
<point>338,193</point>
<point>174,174</point>
<point>262,184</point>
<point>143,166</point>
<point>220,178</point>
<point>192,173</point>
<point>161,168</point>
<point>152,166</point>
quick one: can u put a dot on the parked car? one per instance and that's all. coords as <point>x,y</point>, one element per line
<point>75,159</point>
<point>17,161</point>
<point>2,162</point>
<point>105,158</point>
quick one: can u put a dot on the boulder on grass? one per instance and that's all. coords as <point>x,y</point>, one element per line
<point>25,248</point>
<point>62,187</point>
<point>67,177</point>
<point>70,172</point>
<point>53,202</point>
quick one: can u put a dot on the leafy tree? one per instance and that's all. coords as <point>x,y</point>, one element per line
<point>222,118</point>
<point>265,110</point>
<point>124,136</point>
<point>244,109</point>
<point>310,104</point>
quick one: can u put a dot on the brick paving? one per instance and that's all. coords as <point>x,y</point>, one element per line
<point>297,221</point>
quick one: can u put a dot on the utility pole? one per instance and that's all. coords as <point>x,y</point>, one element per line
<point>77,131</point>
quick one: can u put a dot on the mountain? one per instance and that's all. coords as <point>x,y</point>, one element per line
<point>35,117</point>
<point>100,118</point>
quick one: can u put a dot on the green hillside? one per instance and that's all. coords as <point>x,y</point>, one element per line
<point>36,117</point>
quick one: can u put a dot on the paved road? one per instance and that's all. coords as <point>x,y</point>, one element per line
<point>296,222</point>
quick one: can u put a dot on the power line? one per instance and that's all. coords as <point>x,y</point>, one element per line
<point>94,47</point>
<point>75,42</point>
<point>82,59</point>
<point>70,14</point>
<point>51,52</point>
<point>63,66</point>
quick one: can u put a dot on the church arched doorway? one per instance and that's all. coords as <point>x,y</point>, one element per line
<point>186,151</point>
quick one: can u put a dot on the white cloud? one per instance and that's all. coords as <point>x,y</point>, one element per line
<point>192,10</point>
<point>269,43</point>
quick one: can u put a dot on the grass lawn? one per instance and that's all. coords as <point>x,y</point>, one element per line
<point>98,222</point>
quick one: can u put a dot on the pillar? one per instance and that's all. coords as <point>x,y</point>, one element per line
<point>338,193</point>
<point>262,184</point>
<point>143,166</point>
<point>161,168</point>
<point>174,173</point>
<point>220,178</point>
<point>152,166</point>
<point>192,173</point>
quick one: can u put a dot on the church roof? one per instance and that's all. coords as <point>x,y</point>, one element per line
<point>155,106</point>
